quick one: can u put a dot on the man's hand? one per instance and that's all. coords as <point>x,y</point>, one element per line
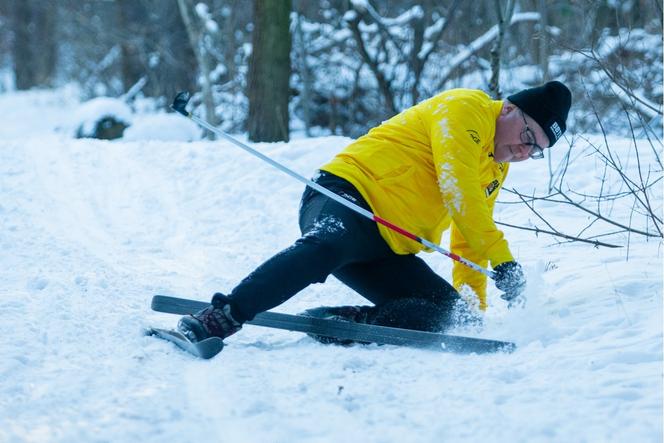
<point>509,277</point>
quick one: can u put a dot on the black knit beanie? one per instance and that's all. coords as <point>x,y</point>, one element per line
<point>548,105</point>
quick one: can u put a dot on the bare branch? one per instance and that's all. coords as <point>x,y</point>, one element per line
<point>646,106</point>
<point>383,83</point>
<point>367,7</point>
<point>558,234</point>
<point>478,44</point>
<point>643,187</point>
<point>419,56</point>
<point>629,182</point>
<point>424,56</point>
<point>601,217</point>
<point>534,211</point>
<point>652,146</point>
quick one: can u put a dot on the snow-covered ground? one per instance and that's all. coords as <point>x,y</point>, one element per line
<point>90,230</point>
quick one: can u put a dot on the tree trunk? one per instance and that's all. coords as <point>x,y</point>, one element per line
<point>196,39</point>
<point>34,50</point>
<point>543,40</point>
<point>45,42</point>
<point>305,74</point>
<point>504,19</point>
<point>269,72</point>
<point>22,54</point>
<point>131,67</point>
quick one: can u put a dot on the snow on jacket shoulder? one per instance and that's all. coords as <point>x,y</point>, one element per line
<point>432,165</point>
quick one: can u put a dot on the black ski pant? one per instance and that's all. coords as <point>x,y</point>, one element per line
<point>335,240</point>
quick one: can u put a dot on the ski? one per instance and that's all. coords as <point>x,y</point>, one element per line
<point>348,331</point>
<point>205,349</point>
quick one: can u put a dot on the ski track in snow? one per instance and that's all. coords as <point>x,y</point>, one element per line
<point>92,229</point>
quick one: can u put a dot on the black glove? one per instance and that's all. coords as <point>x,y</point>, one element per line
<point>509,277</point>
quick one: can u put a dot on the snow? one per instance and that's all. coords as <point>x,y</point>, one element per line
<point>92,229</point>
<point>203,13</point>
<point>360,4</point>
<point>164,127</point>
<point>449,187</point>
<point>89,113</point>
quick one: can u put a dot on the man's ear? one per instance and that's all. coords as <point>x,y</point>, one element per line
<point>507,108</point>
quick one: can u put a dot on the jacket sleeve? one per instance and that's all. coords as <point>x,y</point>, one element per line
<point>457,139</point>
<point>462,274</point>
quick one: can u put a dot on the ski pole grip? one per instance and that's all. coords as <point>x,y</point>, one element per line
<point>180,103</point>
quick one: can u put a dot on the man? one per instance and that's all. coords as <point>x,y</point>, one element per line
<point>437,165</point>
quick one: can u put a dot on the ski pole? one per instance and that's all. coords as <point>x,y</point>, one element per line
<point>179,105</point>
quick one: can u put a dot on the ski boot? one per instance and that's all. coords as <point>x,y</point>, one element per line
<point>354,314</point>
<point>214,321</point>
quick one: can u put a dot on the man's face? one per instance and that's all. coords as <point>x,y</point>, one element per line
<point>518,137</point>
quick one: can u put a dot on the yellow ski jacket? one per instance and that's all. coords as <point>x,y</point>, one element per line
<point>429,167</point>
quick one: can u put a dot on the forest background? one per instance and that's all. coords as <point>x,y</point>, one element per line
<point>340,67</point>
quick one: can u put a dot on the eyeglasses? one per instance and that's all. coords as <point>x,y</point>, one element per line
<point>528,139</point>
